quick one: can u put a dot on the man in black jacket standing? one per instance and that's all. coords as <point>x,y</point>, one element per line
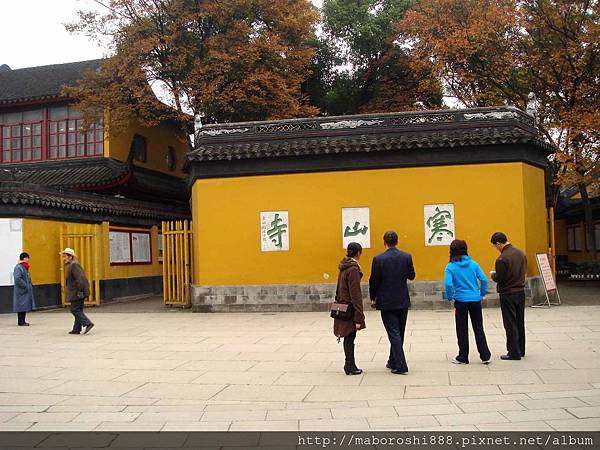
<point>389,294</point>
<point>511,268</point>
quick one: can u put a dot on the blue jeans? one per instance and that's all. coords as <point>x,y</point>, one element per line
<point>395,324</point>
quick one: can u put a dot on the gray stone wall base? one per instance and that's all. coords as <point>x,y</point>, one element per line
<point>426,295</point>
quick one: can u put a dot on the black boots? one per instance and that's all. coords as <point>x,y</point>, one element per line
<point>350,366</point>
<point>351,369</point>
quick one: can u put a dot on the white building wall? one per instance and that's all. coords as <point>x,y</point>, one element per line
<point>11,244</point>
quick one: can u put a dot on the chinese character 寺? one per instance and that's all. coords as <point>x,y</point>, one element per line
<point>276,231</point>
<point>437,224</point>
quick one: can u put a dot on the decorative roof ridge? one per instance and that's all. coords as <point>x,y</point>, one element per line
<point>366,115</point>
<point>420,119</point>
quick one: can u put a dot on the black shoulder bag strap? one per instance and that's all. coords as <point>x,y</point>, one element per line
<point>337,288</point>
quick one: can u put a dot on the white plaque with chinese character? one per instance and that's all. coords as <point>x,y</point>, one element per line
<point>356,227</point>
<point>274,231</point>
<point>439,224</point>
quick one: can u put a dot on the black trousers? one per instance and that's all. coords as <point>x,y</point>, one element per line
<point>349,351</point>
<point>21,317</point>
<point>513,317</point>
<point>81,320</point>
<point>395,325</point>
<point>462,312</point>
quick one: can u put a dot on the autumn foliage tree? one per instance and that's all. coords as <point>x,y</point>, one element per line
<point>490,52</point>
<point>232,60</point>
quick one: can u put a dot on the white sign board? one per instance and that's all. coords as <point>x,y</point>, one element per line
<point>120,250</point>
<point>141,247</point>
<point>439,224</point>
<point>274,231</point>
<point>11,243</point>
<point>160,247</point>
<point>356,227</point>
<point>545,271</point>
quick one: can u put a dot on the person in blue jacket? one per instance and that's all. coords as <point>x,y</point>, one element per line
<point>23,300</point>
<point>466,285</point>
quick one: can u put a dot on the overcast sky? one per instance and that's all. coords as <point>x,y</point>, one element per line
<point>32,33</point>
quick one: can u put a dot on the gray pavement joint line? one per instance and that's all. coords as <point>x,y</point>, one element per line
<point>278,377</point>
<point>569,364</point>
<point>535,371</point>
<point>587,402</point>
<point>182,364</point>
<point>570,413</point>
<point>501,391</point>
<point>308,393</point>
<point>137,387</point>
<point>217,393</point>
<point>256,363</point>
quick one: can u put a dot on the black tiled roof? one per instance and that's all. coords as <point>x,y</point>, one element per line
<point>365,133</point>
<point>42,82</point>
<point>26,195</point>
<point>361,143</point>
<point>85,173</point>
<point>95,174</point>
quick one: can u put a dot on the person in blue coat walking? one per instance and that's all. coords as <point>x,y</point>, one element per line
<point>466,285</point>
<point>23,300</point>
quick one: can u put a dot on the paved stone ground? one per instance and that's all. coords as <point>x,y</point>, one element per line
<point>579,292</point>
<point>183,371</point>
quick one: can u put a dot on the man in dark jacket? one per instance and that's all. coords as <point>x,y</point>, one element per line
<point>23,300</point>
<point>511,268</point>
<point>78,289</point>
<point>389,294</point>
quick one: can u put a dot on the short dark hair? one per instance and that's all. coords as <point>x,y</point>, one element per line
<point>24,255</point>
<point>498,237</point>
<point>458,248</point>
<point>354,248</point>
<point>390,238</point>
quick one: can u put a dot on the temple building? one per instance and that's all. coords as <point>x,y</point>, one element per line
<point>572,246</point>
<point>274,203</point>
<point>102,193</point>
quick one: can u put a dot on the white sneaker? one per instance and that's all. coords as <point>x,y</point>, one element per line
<point>456,361</point>
<point>487,361</point>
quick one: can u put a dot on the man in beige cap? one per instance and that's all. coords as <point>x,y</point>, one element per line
<point>78,289</point>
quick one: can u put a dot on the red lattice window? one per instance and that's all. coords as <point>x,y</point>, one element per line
<point>68,140</point>
<point>21,142</point>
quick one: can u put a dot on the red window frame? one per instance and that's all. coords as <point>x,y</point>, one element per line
<point>66,140</point>
<point>48,139</point>
<point>19,145</point>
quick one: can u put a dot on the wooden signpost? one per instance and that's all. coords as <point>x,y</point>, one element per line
<point>547,280</point>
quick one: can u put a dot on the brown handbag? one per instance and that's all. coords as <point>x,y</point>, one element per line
<point>341,310</point>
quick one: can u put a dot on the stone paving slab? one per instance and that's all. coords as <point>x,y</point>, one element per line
<point>283,371</point>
